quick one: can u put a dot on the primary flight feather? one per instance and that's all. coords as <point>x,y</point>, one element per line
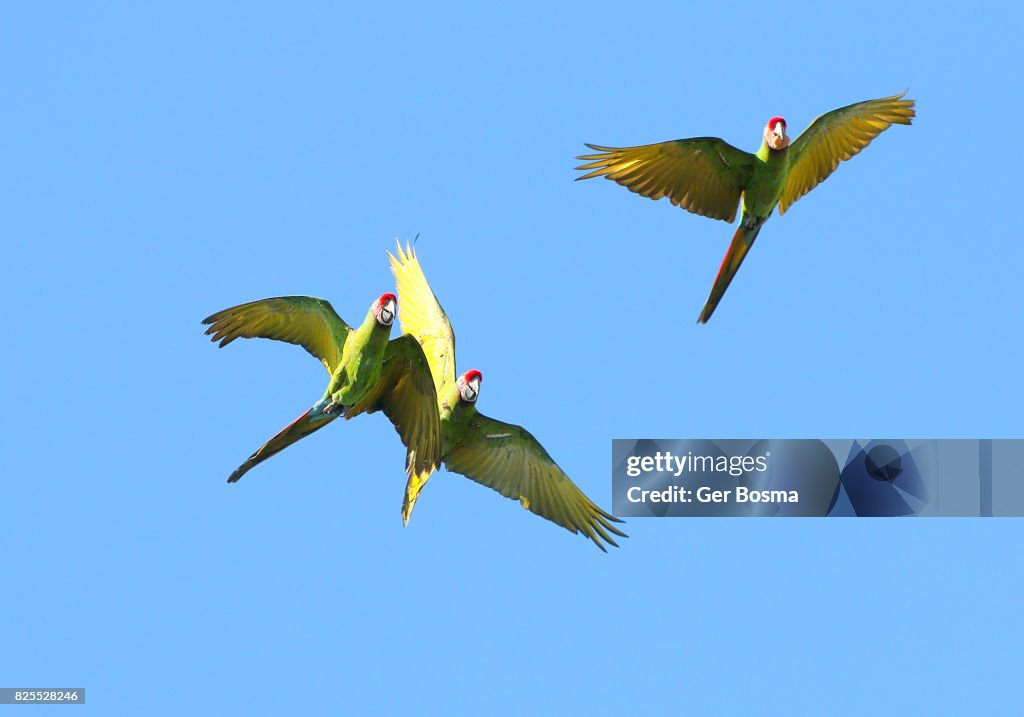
<point>367,372</point>
<point>710,177</point>
<point>499,455</point>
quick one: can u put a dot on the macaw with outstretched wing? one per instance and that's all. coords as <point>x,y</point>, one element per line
<point>710,177</point>
<point>499,455</point>
<point>368,372</point>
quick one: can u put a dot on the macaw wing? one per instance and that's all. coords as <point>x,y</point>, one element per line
<point>835,137</point>
<point>422,317</point>
<point>305,321</point>
<point>405,393</point>
<point>508,459</point>
<point>703,175</point>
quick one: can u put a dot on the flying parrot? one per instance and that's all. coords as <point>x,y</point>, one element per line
<point>499,455</point>
<point>367,372</point>
<point>708,176</point>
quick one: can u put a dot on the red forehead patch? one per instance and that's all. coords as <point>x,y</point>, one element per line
<point>385,298</point>
<point>774,120</point>
<point>471,374</point>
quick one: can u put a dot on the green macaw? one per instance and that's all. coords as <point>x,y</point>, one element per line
<point>499,455</point>
<point>708,176</point>
<point>368,372</point>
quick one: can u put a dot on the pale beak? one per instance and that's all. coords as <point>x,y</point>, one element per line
<point>780,130</point>
<point>387,312</point>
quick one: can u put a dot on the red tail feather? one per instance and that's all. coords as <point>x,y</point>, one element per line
<point>742,240</point>
<point>297,429</point>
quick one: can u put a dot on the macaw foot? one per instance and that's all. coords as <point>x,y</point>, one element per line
<point>755,222</point>
<point>334,408</point>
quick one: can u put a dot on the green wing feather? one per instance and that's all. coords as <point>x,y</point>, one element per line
<point>508,459</point>
<point>422,317</point>
<point>703,175</point>
<point>835,137</point>
<point>405,393</point>
<point>305,321</point>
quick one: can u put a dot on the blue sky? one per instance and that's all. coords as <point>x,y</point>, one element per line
<point>159,165</point>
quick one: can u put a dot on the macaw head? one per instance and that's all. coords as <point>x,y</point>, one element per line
<point>775,133</point>
<point>469,385</point>
<point>385,308</point>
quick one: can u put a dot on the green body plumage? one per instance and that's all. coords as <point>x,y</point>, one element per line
<point>457,418</point>
<point>767,179</point>
<point>360,364</point>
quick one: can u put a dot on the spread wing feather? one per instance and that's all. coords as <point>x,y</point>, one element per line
<point>835,137</point>
<point>305,321</point>
<point>506,458</point>
<point>422,317</point>
<point>405,393</point>
<point>703,175</point>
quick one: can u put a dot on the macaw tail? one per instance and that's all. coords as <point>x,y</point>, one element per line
<point>742,240</point>
<point>413,486</point>
<point>312,420</point>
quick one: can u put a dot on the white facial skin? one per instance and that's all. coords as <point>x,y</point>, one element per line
<point>386,312</point>
<point>469,390</point>
<point>776,136</point>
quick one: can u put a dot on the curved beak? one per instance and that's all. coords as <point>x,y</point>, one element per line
<point>780,130</point>
<point>472,389</point>
<point>387,312</point>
